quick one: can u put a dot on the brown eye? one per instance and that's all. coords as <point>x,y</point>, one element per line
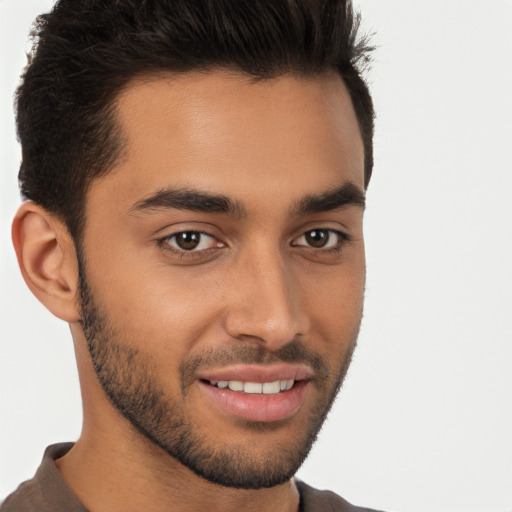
<point>317,238</point>
<point>188,240</point>
<point>321,239</point>
<point>191,241</point>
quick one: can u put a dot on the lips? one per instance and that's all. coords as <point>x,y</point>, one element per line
<point>257,393</point>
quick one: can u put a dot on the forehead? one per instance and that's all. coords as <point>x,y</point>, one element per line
<point>228,133</point>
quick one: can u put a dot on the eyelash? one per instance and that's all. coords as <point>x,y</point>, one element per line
<point>164,243</point>
<point>343,238</point>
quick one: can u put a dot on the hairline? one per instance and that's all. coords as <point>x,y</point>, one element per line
<point>119,140</point>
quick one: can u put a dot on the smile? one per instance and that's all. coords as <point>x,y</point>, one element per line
<point>253,388</point>
<point>257,392</point>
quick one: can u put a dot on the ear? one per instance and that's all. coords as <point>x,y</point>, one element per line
<point>47,259</point>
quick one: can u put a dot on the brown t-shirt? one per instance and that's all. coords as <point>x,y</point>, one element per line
<point>47,492</point>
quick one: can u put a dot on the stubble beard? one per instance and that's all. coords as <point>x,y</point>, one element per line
<point>131,383</point>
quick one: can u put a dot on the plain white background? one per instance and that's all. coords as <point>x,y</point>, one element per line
<point>424,422</point>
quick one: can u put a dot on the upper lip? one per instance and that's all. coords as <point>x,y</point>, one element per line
<point>258,373</point>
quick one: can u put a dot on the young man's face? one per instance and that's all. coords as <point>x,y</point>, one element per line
<point>224,268</point>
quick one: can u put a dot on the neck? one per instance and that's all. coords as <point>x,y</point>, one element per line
<point>127,476</point>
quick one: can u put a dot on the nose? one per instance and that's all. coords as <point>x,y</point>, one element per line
<point>265,301</point>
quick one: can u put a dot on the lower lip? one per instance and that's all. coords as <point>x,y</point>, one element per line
<point>258,407</point>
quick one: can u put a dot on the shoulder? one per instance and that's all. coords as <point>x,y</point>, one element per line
<point>27,497</point>
<point>314,500</point>
<point>47,491</point>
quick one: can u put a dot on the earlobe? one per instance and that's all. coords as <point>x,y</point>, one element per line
<point>47,259</point>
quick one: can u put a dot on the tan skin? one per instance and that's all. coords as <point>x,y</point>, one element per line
<point>254,280</point>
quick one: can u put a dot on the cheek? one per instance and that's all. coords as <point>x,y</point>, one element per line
<point>166,311</point>
<point>160,310</point>
<point>334,302</point>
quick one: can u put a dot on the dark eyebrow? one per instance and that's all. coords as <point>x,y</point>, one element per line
<point>190,199</point>
<point>346,195</point>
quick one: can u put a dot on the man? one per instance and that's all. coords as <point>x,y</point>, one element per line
<point>194,176</point>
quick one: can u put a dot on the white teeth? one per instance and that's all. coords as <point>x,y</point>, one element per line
<point>236,385</point>
<point>253,387</point>
<point>266,388</point>
<point>271,388</point>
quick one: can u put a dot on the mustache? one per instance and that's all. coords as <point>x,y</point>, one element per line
<point>293,352</point>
